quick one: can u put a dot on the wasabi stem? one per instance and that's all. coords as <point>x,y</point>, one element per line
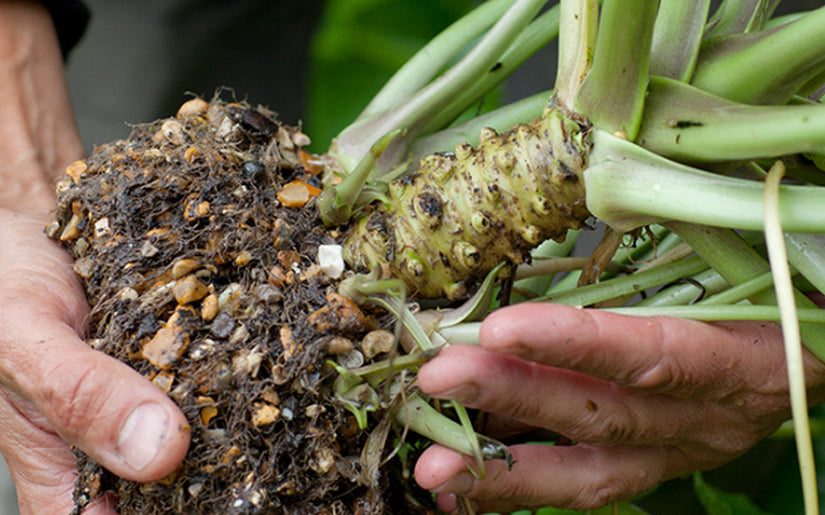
<point>677,35</point>
<point>736,16</point>
<point>353,142</point>
<point>764,68</point>
<point>685,123</point>
<point>612,95</point>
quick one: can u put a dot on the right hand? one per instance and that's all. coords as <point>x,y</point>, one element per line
<point>57,392</point>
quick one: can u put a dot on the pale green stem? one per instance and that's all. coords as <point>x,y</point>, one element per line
<point>770,70</point>
<point>464,334</point>
<point>468,334</point>
<point>612,95</point>
<point>436,54</point>
<point>677,35</point>
<point>737,16</point>
<point>685,123</point>
<point>579,22</point>
<point>741,291</point>
<point>790,332</point>
<point>535,36</point>
<point>353,143</point>
<point>417,414</point>
<point>655,189</point>
<point>625,285</point>
<point>806,252</point>
<point>337,202</point>
<point>686,292</point>
<point>721,313</point>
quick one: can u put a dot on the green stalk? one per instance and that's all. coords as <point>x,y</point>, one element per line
<point>434,56</point>
<point>535,36</point>
<point>354,141</point>
<point>721,313</point>
<point>677,35</point>
<point>791,335</point>
<point>687,291</point>
<point>625,285</point>
<point>740,16</point>
<point>655,189</point>
<point>417,414</point>
<point>612,94</point>
<point>579,21</point>
<point>684,123</point>
<point>806,252</point>
<point>770,68</point>
<point>741,291</point>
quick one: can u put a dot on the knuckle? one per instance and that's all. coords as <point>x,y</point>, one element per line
<point>610,425</point>
<point>74,398</point>
<point>596,495</point>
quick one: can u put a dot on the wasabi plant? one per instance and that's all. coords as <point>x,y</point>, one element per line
<point>662,123</point>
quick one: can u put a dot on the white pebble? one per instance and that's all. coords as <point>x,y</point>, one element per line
<point>331,260</point>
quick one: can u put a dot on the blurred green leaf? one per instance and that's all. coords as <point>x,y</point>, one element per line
<point>358,46</point>
<point>718,502</point>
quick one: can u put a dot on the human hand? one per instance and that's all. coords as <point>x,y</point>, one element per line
<point>645,400</point>
<point>55,391</point>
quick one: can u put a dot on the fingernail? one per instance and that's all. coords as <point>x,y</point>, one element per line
<point>141,435</point>
<point>463,393</point>
<point>459,484</point>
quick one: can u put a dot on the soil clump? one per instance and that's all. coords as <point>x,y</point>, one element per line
<point>197,241</point>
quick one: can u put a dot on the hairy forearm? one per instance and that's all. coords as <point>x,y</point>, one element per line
<point>38,135</point>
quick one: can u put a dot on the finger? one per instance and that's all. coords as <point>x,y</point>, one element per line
<point>667,355</point>
<point>582,408</point>
<point>101,405</point>
<point>577,477</point>
<point>91,400</point>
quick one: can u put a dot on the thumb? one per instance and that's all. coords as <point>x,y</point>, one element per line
<point>104,407</point>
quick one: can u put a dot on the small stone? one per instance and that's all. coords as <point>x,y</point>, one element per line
<point>288,258</point>
<point>331,260</point>
<point>276,276</point>
<point>264,414</point>
<point>148,249</point>
<point>84,267</point>
<point>72,229</point>
<point>223,326</point>
<point>377,342</point>
<point>338,345</point>
<point>76,170</point>
<point>166,347</point>
<point>190,289</point>
<point>243,258</point>
<point>290,346</point>
<point>171,131</point>
<point>164,380</point>
<point>194,107</point>
<point>102,228</point>
<point>323,460</point>
<point>183,267</point>
<point>230,297</point>
<point>209,307</point>
<point>352,359</point>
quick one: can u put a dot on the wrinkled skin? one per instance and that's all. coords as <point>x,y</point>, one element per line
<point>55,391</point>
<point>645,400</point>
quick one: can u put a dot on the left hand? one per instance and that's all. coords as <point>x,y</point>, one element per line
<point>644,400</point>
